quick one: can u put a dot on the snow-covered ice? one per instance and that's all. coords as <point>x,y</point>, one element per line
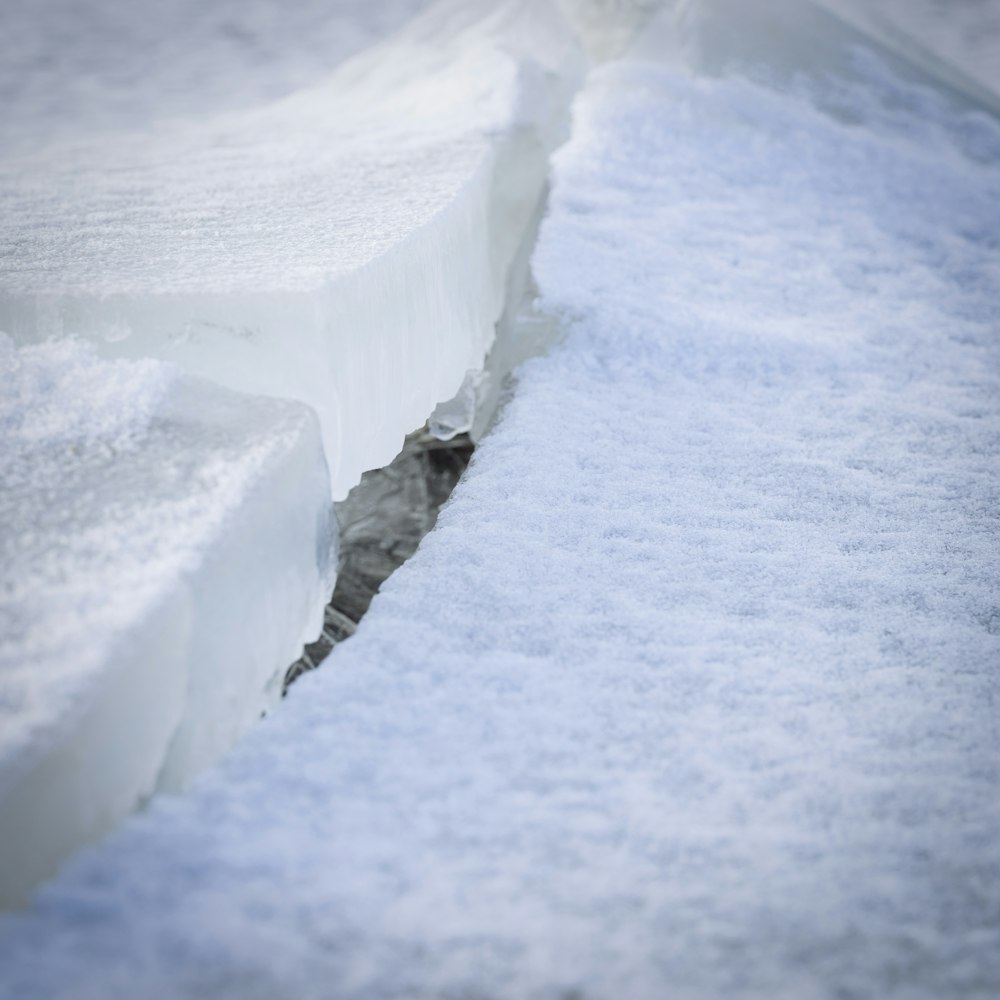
<point>692,691</point>
<point>164,549</point>
<point>346,245</point>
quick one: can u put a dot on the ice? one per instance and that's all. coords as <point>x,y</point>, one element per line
<point>164,552</point>
<point>346,246</point>
<point>691,692</point>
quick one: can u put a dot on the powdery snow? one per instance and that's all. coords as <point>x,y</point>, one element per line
<point>164,552</point>
<point>691,692</point>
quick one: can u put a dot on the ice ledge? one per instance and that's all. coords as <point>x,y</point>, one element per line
<point>166,546</point>
<point>347,247</point>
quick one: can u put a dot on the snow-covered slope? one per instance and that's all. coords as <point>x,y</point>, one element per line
<point>346,246</point>
<point>691,692</point>
<point>165,548</point>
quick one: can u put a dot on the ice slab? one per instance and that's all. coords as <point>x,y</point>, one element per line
<point>346,246</point>
<point>165,550</point>
<point>691,692</point>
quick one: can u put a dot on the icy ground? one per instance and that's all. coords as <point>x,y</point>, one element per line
<point>962,33</point>
<point>692,690</point>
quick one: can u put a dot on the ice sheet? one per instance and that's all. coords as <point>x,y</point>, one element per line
<point>346,246</point>
<point>691,692</point>
<point>164,553</point>
<point>963,34</point>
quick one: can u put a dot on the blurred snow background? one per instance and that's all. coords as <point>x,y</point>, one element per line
<point>70,67</point>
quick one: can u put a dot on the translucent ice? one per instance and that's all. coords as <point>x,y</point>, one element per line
<point>347,245</point>
<point>165,547</point>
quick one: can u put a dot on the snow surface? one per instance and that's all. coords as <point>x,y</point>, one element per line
<point>347,245</point>
<point>692,691</point>
<point>164,550</point>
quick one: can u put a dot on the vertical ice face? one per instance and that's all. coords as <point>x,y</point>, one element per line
<point>346,246</point>
<point>165,548</point>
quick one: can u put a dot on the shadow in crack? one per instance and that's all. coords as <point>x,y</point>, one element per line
<point>382,521</point>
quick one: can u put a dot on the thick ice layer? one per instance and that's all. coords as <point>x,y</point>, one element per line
<point>691,693</point>
<point>347,246</point>
<point>164,553</point>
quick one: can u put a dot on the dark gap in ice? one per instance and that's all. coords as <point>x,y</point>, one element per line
<point>382,521</point>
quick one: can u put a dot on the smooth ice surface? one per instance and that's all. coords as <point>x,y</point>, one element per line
<point>164,553</point>
<point>346,245</point>
<point>692,691</point>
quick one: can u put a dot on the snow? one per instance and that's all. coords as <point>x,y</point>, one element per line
<point>691,692</point>
<point>346,245</point>
<point>165,548</point>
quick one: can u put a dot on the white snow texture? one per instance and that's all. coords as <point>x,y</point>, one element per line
<point>692,692</point>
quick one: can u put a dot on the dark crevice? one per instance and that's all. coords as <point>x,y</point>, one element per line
<point>381,523</point>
